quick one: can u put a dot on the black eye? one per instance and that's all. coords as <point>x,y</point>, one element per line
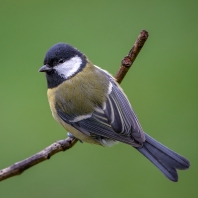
<point>61,61</point>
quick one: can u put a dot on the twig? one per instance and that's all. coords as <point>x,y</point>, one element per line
<point>130,58</point>
<point>19,167</point>
<point>62,145</point>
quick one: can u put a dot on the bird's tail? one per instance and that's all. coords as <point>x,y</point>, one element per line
<point>163,158</point>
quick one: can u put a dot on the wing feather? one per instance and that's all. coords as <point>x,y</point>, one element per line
<point>97,128</point>
<point>116,120</point>
<point>120,113</point>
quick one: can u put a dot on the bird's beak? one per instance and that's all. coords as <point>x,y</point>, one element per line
<point>45,68</point>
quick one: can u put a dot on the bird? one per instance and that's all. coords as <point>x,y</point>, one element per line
<point>88,102</point>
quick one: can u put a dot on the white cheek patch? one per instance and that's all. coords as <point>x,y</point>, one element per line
<point>69,68</point>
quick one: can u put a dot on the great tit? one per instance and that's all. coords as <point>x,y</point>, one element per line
<point>88,102</point>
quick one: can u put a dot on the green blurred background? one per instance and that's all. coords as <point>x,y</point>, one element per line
<point>162,87</point>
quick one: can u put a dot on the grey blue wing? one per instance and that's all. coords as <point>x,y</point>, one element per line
<point>115,120</point>
<point>120,114</point>
<point>96,126</point>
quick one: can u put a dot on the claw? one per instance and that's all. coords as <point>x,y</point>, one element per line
<point>71,136</point>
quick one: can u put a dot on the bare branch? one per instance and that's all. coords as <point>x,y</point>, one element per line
<point>62,145</point>
<point>130,58</point>
<point>19,167</point>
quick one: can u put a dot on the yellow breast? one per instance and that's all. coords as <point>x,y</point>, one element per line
<point>78,95</point>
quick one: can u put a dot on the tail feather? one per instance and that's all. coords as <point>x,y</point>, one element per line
<point>163,158</point>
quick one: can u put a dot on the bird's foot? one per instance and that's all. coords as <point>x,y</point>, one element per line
<point>71,136</point>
